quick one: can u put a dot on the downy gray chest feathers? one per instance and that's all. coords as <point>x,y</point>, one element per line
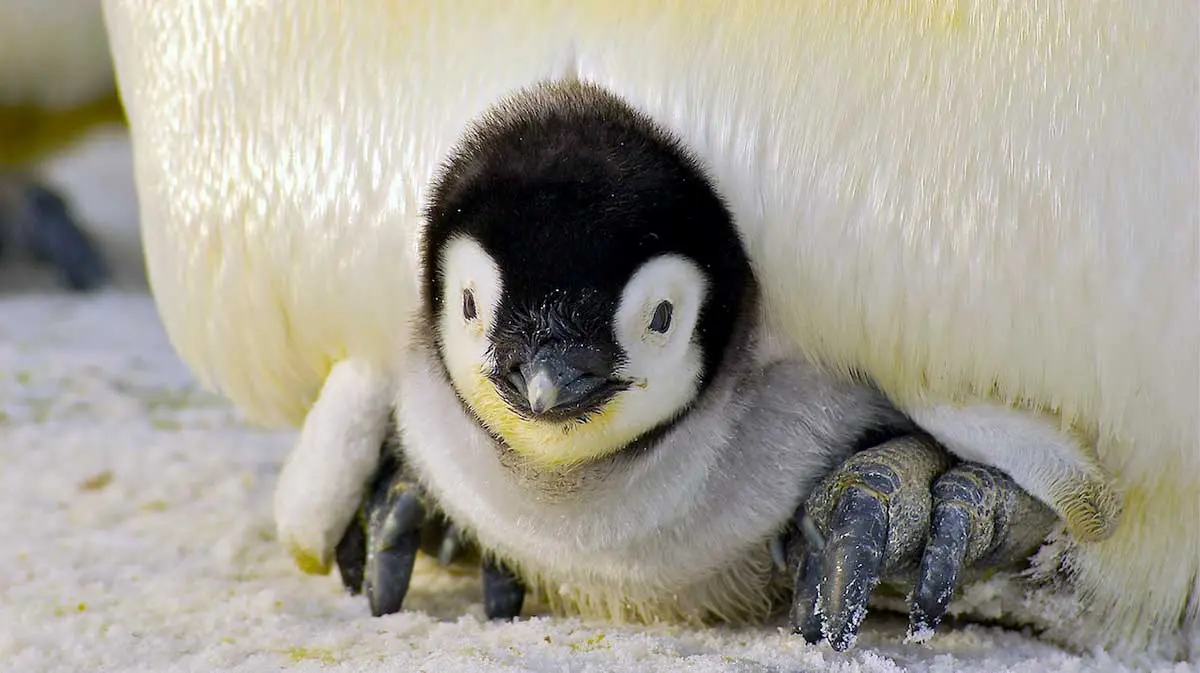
<point>679,526</point>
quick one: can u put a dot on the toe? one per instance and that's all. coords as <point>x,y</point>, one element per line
<point>940,568</point>
<point>806,580</point>
<point>875,511</point>
<point>393,543</point>
<point>351,554</point>
<point>853,559</point>
<point>981,519</point>
<point>503,591</point>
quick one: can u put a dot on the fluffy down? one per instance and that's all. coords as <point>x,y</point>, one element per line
<point>981,205</point>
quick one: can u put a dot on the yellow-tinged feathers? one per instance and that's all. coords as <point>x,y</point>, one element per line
<point>549,444</point>
<point>307,561</point>
<point>966,201</point>
<point>661,369</point>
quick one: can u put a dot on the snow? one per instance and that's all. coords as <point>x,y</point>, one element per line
<point>139,533</point>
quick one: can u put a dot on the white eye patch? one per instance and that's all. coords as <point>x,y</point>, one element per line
<point>660,305</point>
<point>655,321</point>
<point>471,291</point>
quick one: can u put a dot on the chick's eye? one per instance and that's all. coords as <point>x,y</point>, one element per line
<point>661,322</point>
<point>468,305</point>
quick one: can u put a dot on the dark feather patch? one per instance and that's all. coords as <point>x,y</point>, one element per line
<point>570,190</point>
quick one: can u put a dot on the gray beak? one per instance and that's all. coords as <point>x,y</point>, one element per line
<point>541,387</point>
<point>563,381</point>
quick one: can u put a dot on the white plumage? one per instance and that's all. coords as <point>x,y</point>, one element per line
<point>981,205</point>
<point>321,483</point>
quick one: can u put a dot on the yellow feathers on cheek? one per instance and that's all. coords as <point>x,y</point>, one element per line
<point>548,444</point>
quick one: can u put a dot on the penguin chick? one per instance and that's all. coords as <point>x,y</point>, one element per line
<point>596,405</point>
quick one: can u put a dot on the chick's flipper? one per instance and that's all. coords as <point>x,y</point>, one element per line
<point>36,218</point>
<point>903,510</point>
<point>378,551</point>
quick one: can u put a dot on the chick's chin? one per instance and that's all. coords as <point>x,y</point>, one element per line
<point>546,444</point>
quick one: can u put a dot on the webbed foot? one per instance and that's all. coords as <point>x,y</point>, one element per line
<point>906,512</point>
<point>396,521</point>
<point>37,218</point>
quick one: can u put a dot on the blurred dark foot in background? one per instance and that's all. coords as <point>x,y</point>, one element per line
<point>36,221</point>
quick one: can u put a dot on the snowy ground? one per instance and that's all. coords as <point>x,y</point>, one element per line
<point>138,531</point>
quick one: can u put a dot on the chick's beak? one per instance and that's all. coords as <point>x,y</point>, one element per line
<point>542,385</point>
<point>564,380</point>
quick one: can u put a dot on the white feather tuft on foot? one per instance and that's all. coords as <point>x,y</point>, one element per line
<point>323,479</point>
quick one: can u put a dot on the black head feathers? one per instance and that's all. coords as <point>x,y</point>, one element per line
<point>570,191</point>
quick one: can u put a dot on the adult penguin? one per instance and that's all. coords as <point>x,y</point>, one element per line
<point>987,209</point>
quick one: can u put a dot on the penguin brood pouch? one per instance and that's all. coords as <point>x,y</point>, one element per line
<point>596,409</point>
<point>971,227</point>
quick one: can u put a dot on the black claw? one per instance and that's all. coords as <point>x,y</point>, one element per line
<point>351,555</point>
<point>975,509</point>
<point>941,566</point>
<point>54,237</point>
<point>352,550</point>
<point>886,512</point>
<point>806,620</point>
<point>394,539</point>
<point>806,581</point>
<point>503,591</point>
<point>853,560</point>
